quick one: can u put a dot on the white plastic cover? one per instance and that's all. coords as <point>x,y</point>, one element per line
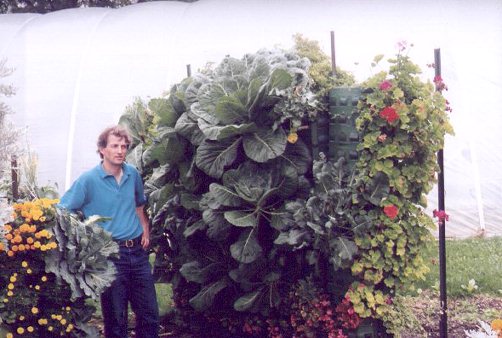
<point>76,70</point>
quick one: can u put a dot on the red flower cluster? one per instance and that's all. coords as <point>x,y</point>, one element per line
<point>389,114</point>
<point>440,85</point>
<point>346,314</point>
<point>385,85</point>
<point>391,211</point>
<point>441,215</point>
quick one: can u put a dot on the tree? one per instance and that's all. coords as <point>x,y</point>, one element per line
<point>7,133</point>
<point>46,6</point>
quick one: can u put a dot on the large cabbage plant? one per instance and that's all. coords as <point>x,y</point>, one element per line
<point>230,186</point>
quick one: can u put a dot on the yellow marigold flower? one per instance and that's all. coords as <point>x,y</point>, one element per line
<point>69,328</point>
<point>13,279</point>
<point>24,264</point>
<point>29,240</point>
<point>63,321</point>
<point>10,253</point>
<point>497,324</point>
<point>20,330</point>
<point>7,227</point>
<point>8,236</point>
<point>9,335</point>
<point>43,247</point>
<point>42,321</point>
<point>21,247</point>
<point>30,329</point>
<point>292,138</point>
<point>33,228</point>
<point>44,278</point>
<point>37,287</point>
<point>10,286</point>
<point>14,248</point>
<point>37,244</point>
<point>68,308</point>
<point>42,219</point>
<point>50,328</point>
<point>10,293</point>
<point>34,310</point>
<point>5,300</point>
<point>28,271</point>
<point>21,317</point>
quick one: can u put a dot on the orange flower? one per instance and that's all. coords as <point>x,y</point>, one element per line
<point>391,211</point>
<point>292,138</point>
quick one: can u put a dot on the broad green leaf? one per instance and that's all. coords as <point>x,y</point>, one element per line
<point>205,298</point>
<point>218,228</point>
<point>229,110</point>
<point>247,301</point>
<point>299,156</point>
<point>218,132</point>
<point>265,145</point>
<point>189,129</point>
<point>134,157</point>
<point>164,110</point>
<point>242,218</point>
<point>247,249</point>
<point>293,237</point>
<point>212,157</point>
<point>224,195</point>
<point>280,79</point>
<point>194,271</point>
<point>193,228</point>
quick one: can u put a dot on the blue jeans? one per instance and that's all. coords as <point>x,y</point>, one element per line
<point>135,284</point>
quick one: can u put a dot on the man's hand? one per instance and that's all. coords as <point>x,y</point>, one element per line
<point>145,240</point>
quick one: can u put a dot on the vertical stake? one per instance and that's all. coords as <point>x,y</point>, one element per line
<point>15,178</point>
<point>443,322</point>
<point>189,71</point>
<point>333,59</point>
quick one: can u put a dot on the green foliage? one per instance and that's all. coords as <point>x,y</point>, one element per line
<point>53,263</point>
<point>403,123</point>
<point>241,214</point>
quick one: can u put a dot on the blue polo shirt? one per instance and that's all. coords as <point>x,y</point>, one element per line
<point>97,193</point>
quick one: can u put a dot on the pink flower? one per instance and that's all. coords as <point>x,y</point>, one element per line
<point>389,114</point>
<point>441,215</point>
<point>440,85</point>
<point>391,211</point>
<point>385,85</point>
<point>382,137</point>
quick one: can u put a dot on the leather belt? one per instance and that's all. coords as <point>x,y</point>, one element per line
<point>129,243</point>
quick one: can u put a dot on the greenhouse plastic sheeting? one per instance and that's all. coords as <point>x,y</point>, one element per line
<point>76,70</point>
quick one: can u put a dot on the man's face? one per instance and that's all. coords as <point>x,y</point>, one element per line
<point>115,151</point>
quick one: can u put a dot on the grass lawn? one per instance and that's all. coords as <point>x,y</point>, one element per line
<point>478,259</point>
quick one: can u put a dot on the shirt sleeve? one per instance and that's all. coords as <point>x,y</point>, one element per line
<point>139,191</point>
<point>74,198</point>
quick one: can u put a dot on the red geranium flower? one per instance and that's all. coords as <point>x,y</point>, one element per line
<point>391,211</point>
<point>385,85</point>
<point>441,215</point>
<point>389,114</point>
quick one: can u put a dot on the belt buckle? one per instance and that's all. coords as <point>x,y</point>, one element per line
<point>129,243</point>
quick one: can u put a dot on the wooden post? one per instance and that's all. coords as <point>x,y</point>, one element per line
<point>443,322</point>
<point>189,71</point>
<point>15,178</point>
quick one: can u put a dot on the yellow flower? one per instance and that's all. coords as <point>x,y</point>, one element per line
<point>10,286</point>
<point>24,264</point>
<point>34,310</point>
<point>44,278</point>
<point>10,293</point>
<point>9,335</point>
<point>13,279</point>
<point>63,321</point>
<point>292,138</point>
<point>497,324</point>
<point>20,330</point>
<point>30,329</point>
<point>42,321</point>
<point>21,317</point>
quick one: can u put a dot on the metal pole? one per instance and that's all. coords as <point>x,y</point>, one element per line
<point>443,322</point>
<point>333,60</point>
<point>189,71</point>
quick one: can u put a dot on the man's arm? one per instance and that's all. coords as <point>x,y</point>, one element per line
<point>143,219</point>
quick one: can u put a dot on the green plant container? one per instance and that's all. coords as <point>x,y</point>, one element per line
<point>343,136</point>
<point>370,328</point>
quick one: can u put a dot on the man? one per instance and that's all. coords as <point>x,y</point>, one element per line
<point>114,189</point>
